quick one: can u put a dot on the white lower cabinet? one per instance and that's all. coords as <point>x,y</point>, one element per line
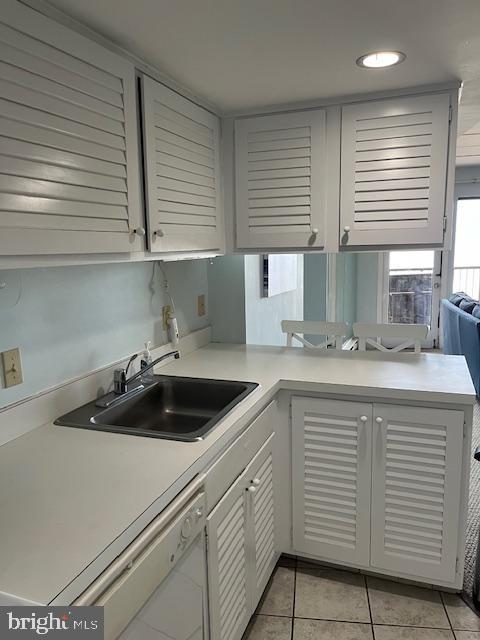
<point>416,482</point>
<point>331,451</point>
<point>227,564</point>
<point>377,485</point>
<point>262,514</point>
<point>241,547</point>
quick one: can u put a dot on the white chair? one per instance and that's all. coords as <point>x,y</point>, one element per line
<point>332,331</point>
<point>373,334</point>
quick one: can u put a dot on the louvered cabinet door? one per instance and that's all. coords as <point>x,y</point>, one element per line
<point>394,171</point>
<point>280,181</point>
<point>261,506</point>
<point>182,164</point>
<point>417,454</point>
<point>331,468</point>
<point>69,170</point>
<point>228,583</point>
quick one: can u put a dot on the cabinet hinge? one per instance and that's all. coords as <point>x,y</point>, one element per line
<point>450,113</point>
<point>456,564</point>
<point>444,223</point>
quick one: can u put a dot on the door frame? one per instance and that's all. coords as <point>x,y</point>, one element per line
<point>463,191</point>
<point>433,338</point>
<point>331,306</point>
<point>469,189</point>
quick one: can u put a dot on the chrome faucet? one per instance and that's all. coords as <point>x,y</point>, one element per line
<point>120,380</point>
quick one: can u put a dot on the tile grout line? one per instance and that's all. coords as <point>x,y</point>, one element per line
<point>446,613</point>
<point>380,624</point>
<point>369,607</point>
<point>294,595</point>
<point>293,617</point>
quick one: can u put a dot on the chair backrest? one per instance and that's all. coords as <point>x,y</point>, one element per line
<point>373,334</point>
<point>333,332</point>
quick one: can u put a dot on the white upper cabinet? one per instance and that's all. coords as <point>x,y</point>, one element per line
<point>280,181</point>
<point>69,171</point>
<point>394,159</point>
<point>182,172</point>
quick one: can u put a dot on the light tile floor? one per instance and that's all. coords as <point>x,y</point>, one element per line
<point>305,601</point>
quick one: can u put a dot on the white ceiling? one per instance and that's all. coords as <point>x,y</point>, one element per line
<point>241,54</point>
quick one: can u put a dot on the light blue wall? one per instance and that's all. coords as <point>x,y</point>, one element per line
<point>72,320</point>
<point>367,282</point>
<point>263,315</point>
<point>315,286</point>
<point>226,285</point>
<point>346,288</point>
<point>356,287</point>
<point>315,289</point>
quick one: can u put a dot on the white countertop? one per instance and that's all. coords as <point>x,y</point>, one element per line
<point>68,495</point>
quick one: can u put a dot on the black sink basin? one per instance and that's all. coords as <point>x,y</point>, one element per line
<point>172,407</point>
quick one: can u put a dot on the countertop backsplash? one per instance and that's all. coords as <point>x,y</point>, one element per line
<point>68,321</point>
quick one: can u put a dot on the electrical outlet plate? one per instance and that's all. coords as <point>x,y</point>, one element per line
<point>12,367</point>
<point>201,305</point>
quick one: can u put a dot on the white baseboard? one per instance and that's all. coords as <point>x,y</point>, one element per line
<point>46,406</point>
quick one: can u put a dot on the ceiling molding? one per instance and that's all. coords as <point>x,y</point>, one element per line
<point>343,100</point>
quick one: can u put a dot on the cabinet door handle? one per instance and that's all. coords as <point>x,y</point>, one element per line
<point>346,229</point>
<point>363,418</point>
<point>315,231</point>
<point>378,420</point>
<point>251,488</point>
<point>158,233</point>
<point>140,231</point>
<point>256,482</point>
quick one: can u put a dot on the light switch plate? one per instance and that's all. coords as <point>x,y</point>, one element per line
<point>12,367</point>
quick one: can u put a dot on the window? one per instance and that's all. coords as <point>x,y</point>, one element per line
<point>410,290</point>
<point>466,262</point>
<point>410,287</point>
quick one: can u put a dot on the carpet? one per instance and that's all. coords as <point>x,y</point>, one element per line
<point>473,518</point>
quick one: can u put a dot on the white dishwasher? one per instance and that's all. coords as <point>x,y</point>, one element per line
<point>157,588</point>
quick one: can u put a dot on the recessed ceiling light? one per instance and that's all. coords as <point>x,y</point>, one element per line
<point>381,59</point>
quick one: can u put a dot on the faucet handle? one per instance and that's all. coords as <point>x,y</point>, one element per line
<point>134,357</point>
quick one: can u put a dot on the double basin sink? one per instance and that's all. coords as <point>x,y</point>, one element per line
<point>172,407</point>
